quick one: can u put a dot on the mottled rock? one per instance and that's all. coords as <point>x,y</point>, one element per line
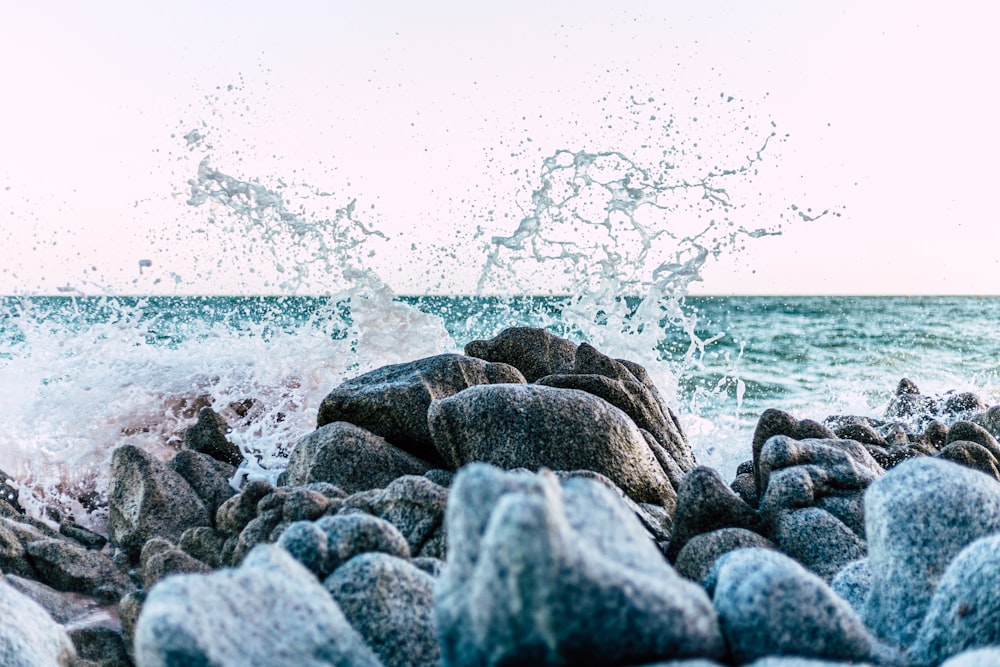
<point>269,612</point>
<point>817,540</point>
<point>9,493</point>
<point>909,402</point>
<point>971,455</point>
<point>391,605</point>
<point>82,535</point>
<point>698,556</point>
<point>532,426</point>
<point>979,657</point>
<point>67,566</point>
<point>769,605</point>
<point>545,573</point>
<point>704,504</point>
<point>776,422</point>
<point>534,352</point>
<point>963,430</point>
<point>208,436</point>
<point>99,639</point>
<point>28,635</point>
<point>414,505</point>
<point>853,583</point>
<point>349,457</point>
<point>964,610</point>
<point>860,430</point>
<point>989,419</point>
<point>205,544</point>
<point>208,477</point>
<point>349,535</point>
<point>146,499</point>
<point>963,403</point>
<point>160,558</point>
<point>918,517</point>
<point>234,514</point>
<point>392,401</point>
<point>61,606</point>
<point>13,557</point>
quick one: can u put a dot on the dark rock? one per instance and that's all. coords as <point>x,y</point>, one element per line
<point>853,583</point>
<point>909,402</point>
<point>67,566</point>
<point>971,432</point>
<point>971,455</point>
<point>208,436</point>
<point>391,605</point>
<point>534,352</point>
<point>989,419</point>
<point>699,554</point>
<point>745,486</point>
<point>160,558</point>
<point>964,403</point>
<point>414,505</point>
<point>769,605</point>
<point>205,544</point>
<point>544,573</point>
<point>84,536</point>
<point>432,566</point>
<point>260,530</point>
<point>13,557</point>
<point>9,493</point>
<point>208,477</point>
<point>234,514</point>
<point>440,477</point>
<point>129,608</point>
<point>860,430</point>
<point>532,426</point>
<point>917,518</point>
<point>667,463</point>
<point>964,610</point>
<point>307,543</point>
<point>99,640</point>
<point>281,615</point>
<point>28,635</point>
<point>776,422</point>
<point>304,504</point>
<point>61,606</point>
<point>936,434</point>
<point>349,535</point>
<point>147,499</point>
<point>349,457</point>
<point>704,504</point>
<point>818,540</point>
<point>392,401</point>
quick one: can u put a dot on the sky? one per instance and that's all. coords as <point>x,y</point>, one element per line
<point>435,118</point>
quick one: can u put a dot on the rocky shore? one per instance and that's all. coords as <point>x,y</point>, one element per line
<point>531,502</point>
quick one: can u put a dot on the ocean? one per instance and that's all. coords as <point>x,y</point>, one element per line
<point>82,375</point>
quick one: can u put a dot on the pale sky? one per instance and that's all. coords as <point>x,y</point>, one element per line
<point>434,116</point>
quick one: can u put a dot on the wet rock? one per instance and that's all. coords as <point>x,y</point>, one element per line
<point>853,583</point>
<point>234,514</point>
<point>776,422</point>
<point>793,661</point>
<point>81,535</point>
<point>349,457</point>
<point>260,530</point>
<point>306,542</point>
<point>391,605</point>
<point>532,426</point>
<point>971,455</point>
<point>160,558</point>
<point>205,544</point>
<point>208,436</point>
<point>14,535</point>
<point>544,573</point>
<point>392,401</point>
<point>129,608</point>
<point>147,499</point>
<point>918,517</point>
<point>534,352</point>
<point>28,635</point>
<point>208,477</point>
<point>963,403</point>
<point>67,566</point>
<point>99,639</point>
<point>440,477</point>
<point>698,556</point>
<point>769,605</point>
<point>964,609</point>
<point>61,606</point>
<point>859,429</point>
<point>818,540</point>
<point>9,493</point>
<point>989,419</point>
<point>909,402</point>
<point>704,504</point>
<point>936,434</point>
<point>745,486</point>
<point>971,432</point>
<point>270,611</point>
<point>432,566</point>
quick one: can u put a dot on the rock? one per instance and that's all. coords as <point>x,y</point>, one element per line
<point>532,426</point>
<point>208,436</point>
<point>262,529</point>
<point>534,352</point>
<point>129,608</point>
<point>979,657</point>
<point>160,558</point>
<point>963,430</point>
<point>936,434</point>
<point>205,544</point>
<point>148,499</point>
<point>769,605</point>
<point>67,566</point>
<point>544,573</point>
<point>414,505</point>
<point>269,612</point>
<point>963,403</point>
<point>349,535</point>
<point>964,610</point>
<point>28,635</point>
<point>391,605</point>
<point>745,486</point>
<point>99,639</point>
<point>61,606</point>
<point>306,542</point>
<point>860,430</point>
<point>208,477</point>
<point>918,517</point>
<point>776,422</point>
<point>392,401</point>
<point>971,455</point>
<point>989,419</point>
<point>81,535</point>
<point>818,540</point>
<point>349,457</point>
<point>432,566</point>
<point>234,514</point>
<point>695,560</point>
<point>440,477</point>
<point>853,583</point>
<point>13,557</point>
<point>704,504</point>
<point>909,402</point>
<point>793,661</point>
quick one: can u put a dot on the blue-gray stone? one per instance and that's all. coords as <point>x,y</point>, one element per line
<point>853,583</point>
<point>818,540</point>
<point>28,635</point>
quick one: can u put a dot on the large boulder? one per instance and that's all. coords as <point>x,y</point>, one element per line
<point>69,567</point>
<point>392,401</point>
<point>269,612</point>
<point>28,635</point>
<point>531,426</point>
<point>534,352</point>
<point>208,436</point>
<point>547,573</point>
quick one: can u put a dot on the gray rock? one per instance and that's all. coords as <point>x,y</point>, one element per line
<point>99,639</point>
<point>909,402</point>
<point>989,419</point>
<point>979,657</point>
<point>81,535</point>
<point>160,559</point>
<point>917,518</point>
<point>704,504</point>
<point>9,493</point>
<point>776,422</point>
<point>972,432</point>
<point>61,606</point>
<point>234,514</point>
<point>415,505</point>
<point>769,605</point>
<point>349,535</point>
<point>270,612</point>
<point>545,573</point>
<point>147,499</point>
<point>392,401</point>
<point>129,608</point>
<point>963,403</point>
<point>262,529</point>
<point>67,566</point>
<point>699,554</point>
<point>818,540</point>
<point>964,610</point>
<point>13,557</point>
<point>853,583</point>
<point>694,662</point>
<point>205,544</point>
<point>859,429</point>
<point>208,436</point>
<point>745,486</point>
<point>532,426</point>
<point>350,457</point>
<point>534,352</point>
<point>28,635</point>
<point>792,661</point>
<point>208,477</point>
<point>971,455</point>
<point>391,605</point>
<point>306,542</point>
<point>300,503</point>
<point>432,566</point>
